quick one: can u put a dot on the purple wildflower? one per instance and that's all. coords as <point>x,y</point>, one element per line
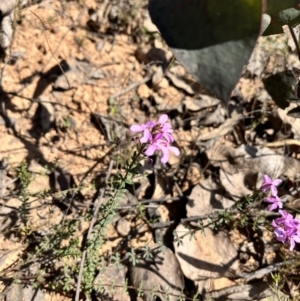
<point>268,184</point>
<point>157,136</point>
<point>287,229</point>
<point>165,147</point>
<point>165,129</point>
<point>146,129</point>
<point>280,233</point>
<point>275,202</point>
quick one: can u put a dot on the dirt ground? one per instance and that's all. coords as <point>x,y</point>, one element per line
<point>77,75</point>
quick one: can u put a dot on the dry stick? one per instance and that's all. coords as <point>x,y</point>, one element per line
<point>248,277</point>
<point>131,87</point>
<point>258,274</point>
<point>189,219</point>
<point>205,216</point>
<point>53,52</point>
<point>61,69</point>
<point>283,143</point>
<point>295,40</point>
<point>93,221</point>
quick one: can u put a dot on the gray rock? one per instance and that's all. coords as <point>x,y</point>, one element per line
<point>110,283</point>
<point>206,255</point>
<point>161,273</point>
<point>123,227</point>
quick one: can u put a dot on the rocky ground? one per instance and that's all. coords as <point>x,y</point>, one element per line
<point>76,76</point>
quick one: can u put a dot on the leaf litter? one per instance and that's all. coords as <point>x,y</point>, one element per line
<point>66,137</point>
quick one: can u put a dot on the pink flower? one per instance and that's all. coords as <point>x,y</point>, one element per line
<point>165,129</point>
<point>146,129</point>
<point>268,184</point>
<point>165,147</point>
<point>157,136</point>
<point>280,234</point>
<point>275,202</point>
<point>287,229</point>
<point>285,219</point>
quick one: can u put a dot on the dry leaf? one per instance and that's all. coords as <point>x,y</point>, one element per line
<point>204,102</point>
<point>205,198</point>
<point>235,184</point>
<point>222,130</point>
<point>216,117</point>
<point>293,122</point>
<point>205,254</point>
<point>180,83</point>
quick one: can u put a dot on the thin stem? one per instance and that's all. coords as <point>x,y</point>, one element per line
<point>295,40</point>
<point>95,215</point>
<point>93,221</point>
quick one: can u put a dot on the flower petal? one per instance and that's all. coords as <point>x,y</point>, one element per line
<point>147,137</point>
<point>277,182</point>
<point>265,187</point>
<point>135,128</point>
<point>158,136</point>
<point>167,127</point>
<point>292,242</point>
<point>174,150</point>
<point>150,150</point>
<point>163,119</point>
<point>150,124</point>
<point>297,238</point>
<point>168,137</point>
<point>266,179</point>
<point>272,207</point>
<point>270,199</point>
<point>280,234</point>
<point>274,191</point>
<point>165,158</point>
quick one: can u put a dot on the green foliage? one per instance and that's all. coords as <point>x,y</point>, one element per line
<point>213,40</point>
<point>53,242</point>
<point>62,245</point>
<point>210,38</point>
<point>281,13</point>
<point>132,257</point>
<point>24,177</point>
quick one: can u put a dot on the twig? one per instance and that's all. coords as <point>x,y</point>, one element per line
<point>264,271</point>
<point>295,40</point>
<point>5,292</point>
<point>58,63</point>
<point>283,143</point>
<point>143,202</point>
<point>80,14</point>
<point>93,221</point>
<point>205,216</point>
<point>130,87</point>
<point>185,220</point>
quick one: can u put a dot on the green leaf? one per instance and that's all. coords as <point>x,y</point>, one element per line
<point>282,12</point>
<point>281,86</point>
<point>212,39</point>
<point>129,181</point>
